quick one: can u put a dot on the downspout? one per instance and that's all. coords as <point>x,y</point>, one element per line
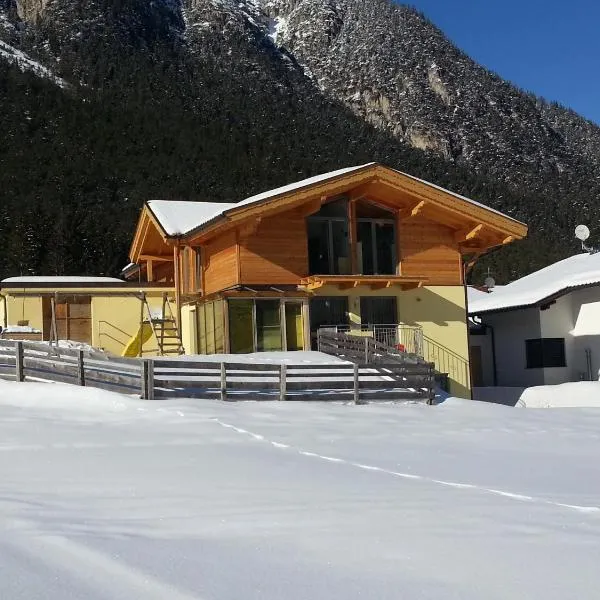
<point>495,369</point>
<point>466,294</point>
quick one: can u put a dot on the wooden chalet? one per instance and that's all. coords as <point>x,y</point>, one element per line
<point>366,249</point>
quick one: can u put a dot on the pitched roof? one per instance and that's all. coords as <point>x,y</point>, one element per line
<point>551,281</point>
<point>179,218</point>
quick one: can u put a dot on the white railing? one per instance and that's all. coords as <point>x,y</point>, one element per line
<point>407,338</point>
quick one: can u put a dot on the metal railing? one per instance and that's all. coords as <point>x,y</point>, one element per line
<point>406,338</point>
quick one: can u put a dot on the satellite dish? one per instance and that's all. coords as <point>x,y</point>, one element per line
<point>582,232</point>
<point>489,283</point>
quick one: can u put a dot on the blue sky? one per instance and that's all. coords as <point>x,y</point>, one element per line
<point>549,47</point>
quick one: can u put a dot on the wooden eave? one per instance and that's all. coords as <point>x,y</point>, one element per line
<point>416,197</point>
<point>145,221</point>
<point>314,282</point>
<point>440,199</point>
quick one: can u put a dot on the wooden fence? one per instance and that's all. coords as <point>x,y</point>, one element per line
<point>170,378</point>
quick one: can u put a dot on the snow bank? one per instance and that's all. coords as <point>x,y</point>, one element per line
<point>196,500</point>
<point>565,395</point>
<point>59,397</point>
<point>20,329</point>
<point>276,358</point>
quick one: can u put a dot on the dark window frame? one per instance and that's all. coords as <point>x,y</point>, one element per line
<point>545,353</point>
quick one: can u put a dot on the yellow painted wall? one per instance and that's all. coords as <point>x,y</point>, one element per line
<point>116,319</point>
<point>189,329</point>
<point>3,319</point>
<point>441,312</point>
<point>25,308</point>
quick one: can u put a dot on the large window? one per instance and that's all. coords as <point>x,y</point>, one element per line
<point>378,310</point>
<point>545,353</point>
<point>328,246</point>
<point>376,240</point>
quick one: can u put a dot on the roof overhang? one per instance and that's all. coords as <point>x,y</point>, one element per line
<point>477,227</point>
<point>375,282</point>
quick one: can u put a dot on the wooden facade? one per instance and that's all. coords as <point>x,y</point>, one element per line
<point>357,232</point>
<point>266,243</point>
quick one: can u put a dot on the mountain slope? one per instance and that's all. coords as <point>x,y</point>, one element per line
<point>215,100</point>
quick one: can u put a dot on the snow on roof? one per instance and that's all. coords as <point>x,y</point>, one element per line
<point>473,293</point>
<point>301,184</point>
<point>179,217</point>
<point>35,279</point>
<point>576,271</point>
<point>182,217</point>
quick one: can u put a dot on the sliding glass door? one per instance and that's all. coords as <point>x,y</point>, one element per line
<point>265,325</point>
<point>268,325</point>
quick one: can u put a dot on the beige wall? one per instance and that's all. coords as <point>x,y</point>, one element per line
<point>441,312</point>
<point>189,328</point>
<point>116,319</point>
<point>3,315</point>
<point>25,308</point>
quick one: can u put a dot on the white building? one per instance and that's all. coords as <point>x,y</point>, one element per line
<point>541,329</point>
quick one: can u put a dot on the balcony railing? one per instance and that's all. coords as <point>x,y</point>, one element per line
<point>406,338</point>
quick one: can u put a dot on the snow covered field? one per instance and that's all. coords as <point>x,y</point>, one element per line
<point>106,497</point>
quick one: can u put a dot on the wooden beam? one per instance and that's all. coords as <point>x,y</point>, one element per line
<point>353,237</point>
<point>177,276</point>
<point>413,211</point>
<point>249,228</point>
<point>382,285</point>
<point>149,270</point>
<point>471,234</point>
<point>156,258</point>
<point>508,240</point>
<point>412,286</point>
<point>312,207</point>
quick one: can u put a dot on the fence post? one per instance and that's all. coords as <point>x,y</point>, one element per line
<point>144,381</point>
<point>80,368</point>
<point>282,382</point>
<point>19,374</point>
<point>223,382</point>
<point>356,388</point>
<point>147,379</point>
<point>150,380</point>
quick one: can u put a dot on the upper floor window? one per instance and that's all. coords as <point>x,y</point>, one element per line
<point>545,353</point>
<point>328,245</point>
<point>376,240</point>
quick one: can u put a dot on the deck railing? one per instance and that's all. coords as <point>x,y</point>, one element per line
<point>180,377</point>
<point>406,338</point>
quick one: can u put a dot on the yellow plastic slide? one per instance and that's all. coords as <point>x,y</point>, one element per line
<point>137,341</point>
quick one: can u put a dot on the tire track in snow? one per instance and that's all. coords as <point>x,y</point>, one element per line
<point>410,476</point>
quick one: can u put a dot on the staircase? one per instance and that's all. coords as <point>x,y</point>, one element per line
<point>411,370</point>
<point>164,326</point>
